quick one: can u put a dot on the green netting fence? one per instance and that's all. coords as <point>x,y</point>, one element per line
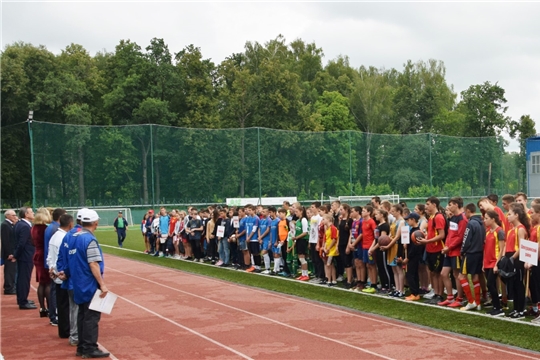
<point>152,164</point>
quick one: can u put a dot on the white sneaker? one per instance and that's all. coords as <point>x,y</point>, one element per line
<point>219,263</point>
<point>265,272</point>
<point>201,260</point>
<point>469,306</point>
<point>339,279</point>
<point>176,256</point>
<point>429,295</point>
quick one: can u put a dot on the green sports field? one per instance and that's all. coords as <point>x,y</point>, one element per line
<point>520,334</point>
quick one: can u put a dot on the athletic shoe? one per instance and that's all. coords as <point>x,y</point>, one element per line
<point>423,291</point>
<point>469,306</point>
<point>457,303</point>
<point>445,302</point>
<point>429,295</point>
<point>531,312</point>
<point>392,293</point>
<point>518,315</point>
<point>251,269</point>
<point>340,278</point>
<point>284,274</point>
<point>399,295</point>
<point>332,283</point>
<point>496,312</point>
<point>348,285</point>
<point>54,322</point>
<point>435,300</point>
<point>156,253</point>
<point>315,281</point>
<point>219,263</point>
<point>299,277</point>
<point>369,290</point>
<point>201,260</point>
<point>266,272</point>
<point>488,303</point>
<point>161,255</point>
<point>412,298</point>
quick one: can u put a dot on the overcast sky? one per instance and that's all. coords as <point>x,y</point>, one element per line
<point>496,42</point>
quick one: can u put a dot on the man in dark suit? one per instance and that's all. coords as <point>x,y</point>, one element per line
<point>23,255</point>
<point>8,246</point>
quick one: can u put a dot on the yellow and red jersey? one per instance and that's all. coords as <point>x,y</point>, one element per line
<point>491,247</point>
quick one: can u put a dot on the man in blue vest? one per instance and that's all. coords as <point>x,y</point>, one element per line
<point>120,226</point>
<point>85,268</point>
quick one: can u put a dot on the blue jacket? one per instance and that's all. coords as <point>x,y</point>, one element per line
<point>62,261</point>
<point>49,232</point>
<point>24,247</point>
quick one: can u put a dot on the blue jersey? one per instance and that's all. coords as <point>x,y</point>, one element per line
<point>263,225</point>
<point>274,230</point>
<point>252,224</point>
<point>164,224</point>
<point>242,227</point>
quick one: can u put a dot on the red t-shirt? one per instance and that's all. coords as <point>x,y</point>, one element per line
<point>456,230</point>
<point>368,233</point>
<point>172,225</point>
<point>535,233</point>
<point>512,239</point>
<point>505,225</point>
<point>491,247</point>
<point>440,224</point>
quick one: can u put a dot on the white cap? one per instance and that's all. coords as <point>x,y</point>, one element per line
<point>89,216</point>
<point>80,212</point>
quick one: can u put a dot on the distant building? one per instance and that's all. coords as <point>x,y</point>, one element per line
<point>533,166</point>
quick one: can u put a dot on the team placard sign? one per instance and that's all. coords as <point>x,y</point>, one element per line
<point>528,252</point>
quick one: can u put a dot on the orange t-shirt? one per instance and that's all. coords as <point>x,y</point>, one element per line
<point>283,230</point>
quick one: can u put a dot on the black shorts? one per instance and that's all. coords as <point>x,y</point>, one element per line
<point>472,264</point>
<point>254,247</point>
<point>435,261</point>
<point>301,246</point>
<point>346,259</point>
<point>453,262</point>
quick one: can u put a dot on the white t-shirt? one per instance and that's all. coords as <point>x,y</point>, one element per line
<point>54,246</point>
<point>315,221</point>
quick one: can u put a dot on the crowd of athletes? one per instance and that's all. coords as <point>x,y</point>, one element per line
<point>467,255</point>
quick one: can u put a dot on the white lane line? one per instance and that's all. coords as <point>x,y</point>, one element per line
<point>331,307</point>
<point>185,328</point>
<point>256,315</point>
<point>105,350</point>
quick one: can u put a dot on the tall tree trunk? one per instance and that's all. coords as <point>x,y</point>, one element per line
<point>81,176</point>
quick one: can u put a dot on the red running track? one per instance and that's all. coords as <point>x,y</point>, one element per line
<point>169,314</point>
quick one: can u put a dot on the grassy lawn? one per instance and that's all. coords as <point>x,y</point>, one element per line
<point>518,334</point>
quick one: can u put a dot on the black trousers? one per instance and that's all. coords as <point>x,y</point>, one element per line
<point>196,248</point>
<point>87,324</point>
<point>534,284</point>
<point>284,258</point>
<point>10,273</point>
<point>317,261</point>
<point>62,308</point>
<point>24,273</point>
<point>515,284</point>
<point>412,274</point>
<point>386,274</point>
<point>491,278</point>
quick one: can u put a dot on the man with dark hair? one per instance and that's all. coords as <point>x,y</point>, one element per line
<point>49,232</point>
<point>507,200</point>
<point>376,202</point>
<point>436,235</point>
<point>62,295</point>
<point>120,227</point>
<point>23,255</point>
<point>522,199</point>
<point>8,246</point>
<point>85,266</point>
<point>493,198</point>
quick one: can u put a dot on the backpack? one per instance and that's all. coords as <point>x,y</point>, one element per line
<point>506,268</point>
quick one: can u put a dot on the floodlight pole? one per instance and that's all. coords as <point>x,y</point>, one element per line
<point>29,121</point>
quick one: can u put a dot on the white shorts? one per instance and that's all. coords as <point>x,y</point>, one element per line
<point>163,239</point>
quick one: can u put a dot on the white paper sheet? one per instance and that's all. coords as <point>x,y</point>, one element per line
<point>103,305</point>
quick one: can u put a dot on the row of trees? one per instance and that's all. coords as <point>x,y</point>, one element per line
<point>275,85</point>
